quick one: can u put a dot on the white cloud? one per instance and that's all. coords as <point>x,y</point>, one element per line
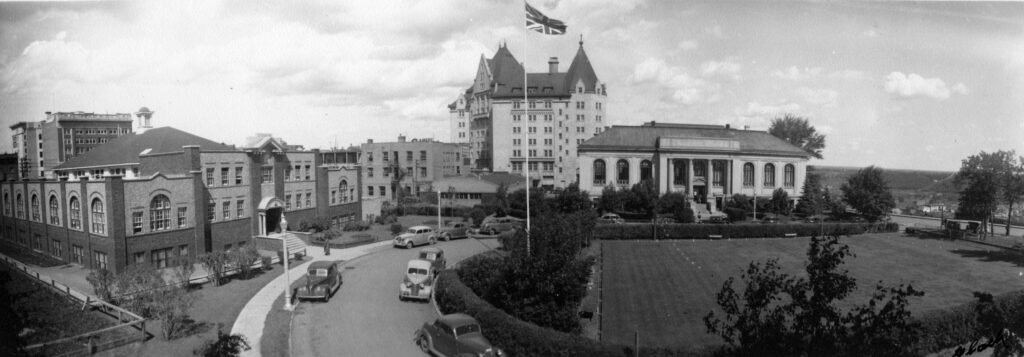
<point>914,85</point>
<point>715,31</point>
<point>846,74</point>
<point>725,68</point>
<point>687,45</point>
<point>823,97</point>
<point>684,88</point>
<point>796,74</point>
<point>872,33</point>
<point>759,115</point>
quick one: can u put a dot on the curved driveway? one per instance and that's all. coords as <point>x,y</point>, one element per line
<point>365,317</point>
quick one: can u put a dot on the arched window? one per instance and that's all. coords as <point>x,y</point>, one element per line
<point>98,218</point>
<point>790,176</point>
<point>646,171</point>
<point>54,210</point>
<point>75,214</point>
<point>21,206</point>
<point>343,187</point>
<point>599,172</point>
<point>748,175</point>
<point>769,175</point>
<point>35,207</point>
<point>159,213</point>
<point>622,167</point>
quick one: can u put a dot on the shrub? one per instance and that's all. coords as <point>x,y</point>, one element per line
<point>102,281</point>
<point>396,228</point>
<point>243,258</point>
<point>215,262</point>
<point>515,337</point>
<point>946,328</point>
<point>356,226</point>
<point>266,261</point>
<point>171,307</point>
<point>702,231</point>
<point>225,345</point>
<point>477,214</point>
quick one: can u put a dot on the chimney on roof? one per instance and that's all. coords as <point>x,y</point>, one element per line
<point>746,127</point>
<point>553,65</point>
<point>727,126</point>
<point>401,138</point>
<point>369,141</point>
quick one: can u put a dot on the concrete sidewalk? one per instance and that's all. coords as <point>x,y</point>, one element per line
<point>250,320</point>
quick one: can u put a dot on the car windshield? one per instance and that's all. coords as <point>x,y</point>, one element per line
<point>428,256</point>
<point>467,329</point>
<point>417,271</point>
<point>318,272</point>
<point>412,230</point>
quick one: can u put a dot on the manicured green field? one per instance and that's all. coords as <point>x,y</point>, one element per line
<point>663,289</point>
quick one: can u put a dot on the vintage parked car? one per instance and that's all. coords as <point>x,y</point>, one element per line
<point>497,225</point>
<point>610,218</point>
<point>322,279</point>
<point>415,235</point>
<point>418,282</point>
<point>718,220</point>
<point>453,230</point>
<point>436,258</point>
<point>455,335</point>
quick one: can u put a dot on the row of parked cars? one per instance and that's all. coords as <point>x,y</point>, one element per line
<point>450,335</point>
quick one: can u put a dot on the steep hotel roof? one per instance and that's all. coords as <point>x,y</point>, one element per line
<point>125,149</point>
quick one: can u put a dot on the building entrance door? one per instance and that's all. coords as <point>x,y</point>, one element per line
<point>701,193</point>
<point>273,219</point>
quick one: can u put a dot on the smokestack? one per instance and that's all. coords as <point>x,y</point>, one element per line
<point>727,126</point>
<point>553,65</point>
<point>401,138</point>
<point>369,141</point>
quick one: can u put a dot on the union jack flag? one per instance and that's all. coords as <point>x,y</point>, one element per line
<point>538,22</point>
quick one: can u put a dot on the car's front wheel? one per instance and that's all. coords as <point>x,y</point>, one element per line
<point>423,344</point>
<point>409,245</point>
<point>432,241</point>
<point>447,237</point>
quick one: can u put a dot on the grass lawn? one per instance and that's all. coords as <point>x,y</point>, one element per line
<point>214,305</point>
<point>664,289</point>
<point>49,316</point>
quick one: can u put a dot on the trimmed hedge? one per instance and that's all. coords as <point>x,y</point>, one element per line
<point>703,231</point>
<point>515,337</point>
<point>947,328</point>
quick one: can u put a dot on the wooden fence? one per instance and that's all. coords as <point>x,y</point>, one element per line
<point>125,319</point>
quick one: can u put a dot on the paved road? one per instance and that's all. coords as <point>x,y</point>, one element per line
<point>911,221</point>
<point>365,317</point>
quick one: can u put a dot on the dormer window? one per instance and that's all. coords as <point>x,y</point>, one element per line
<point>579,89</point>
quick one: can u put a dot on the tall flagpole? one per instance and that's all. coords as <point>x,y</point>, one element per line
<point>526,102</point>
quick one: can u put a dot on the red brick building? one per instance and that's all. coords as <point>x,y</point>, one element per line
<point>156,196</point>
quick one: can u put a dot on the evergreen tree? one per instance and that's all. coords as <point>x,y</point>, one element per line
<point>812,200</point>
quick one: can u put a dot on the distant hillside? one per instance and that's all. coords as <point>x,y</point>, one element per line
<point>899,180</point>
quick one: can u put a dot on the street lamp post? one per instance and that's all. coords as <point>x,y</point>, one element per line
<point>287,278</point>
<point>439,211</point>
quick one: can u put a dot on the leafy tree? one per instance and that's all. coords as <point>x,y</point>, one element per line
<point>812,200</point>
<point>215,263</point>
<point>611,200</point>
<point>993,322</point>
<point>545,284</point>
<point>183,271</point>
<point>226,345</point>
<point>571,199</point>
<point>171,307</point>
<point>642,198</point>
<point>243,258</point>
<point>799,132</point>
<point>779,203</point>
<point>676,204</point>
<point>989,178</point>
<point>102,281</point>
<point>136,287</point>
<point>778,314</point>
<point>868,192</point>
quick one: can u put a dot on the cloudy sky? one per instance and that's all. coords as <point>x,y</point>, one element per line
<point>898,85</point>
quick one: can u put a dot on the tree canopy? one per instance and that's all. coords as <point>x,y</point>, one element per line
<point>988,179</point>
<point>798,131</point>
<point>868,192</point>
